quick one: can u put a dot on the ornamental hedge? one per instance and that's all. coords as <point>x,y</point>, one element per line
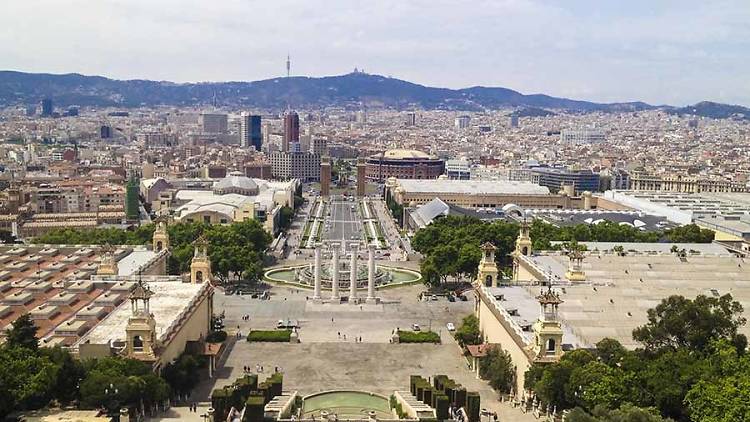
<point>418,337</point>
<point>276,336</point>
<point>216,337</point>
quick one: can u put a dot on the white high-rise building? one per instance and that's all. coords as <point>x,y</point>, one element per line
<point>462,122</point>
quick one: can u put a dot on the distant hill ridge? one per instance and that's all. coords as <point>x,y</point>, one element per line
<point>343,90</point>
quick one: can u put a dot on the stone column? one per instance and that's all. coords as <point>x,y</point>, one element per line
<point>316,294</point>
<point>371,273</point>
<point>335,272</point>
<point>353,274</point>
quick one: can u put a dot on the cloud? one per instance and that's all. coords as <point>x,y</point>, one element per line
<point>663,52</point>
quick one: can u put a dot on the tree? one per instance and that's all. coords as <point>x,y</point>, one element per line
<point>723,395</point>
<point>23,333</point>
<point>286,215</point>
<point>690,233</point>
<point>69,374</point>
<point>626,413</point>
<point>26,379</point>
<point>468,333</point>
<point>679,322</point>
<point>596,384</point>
<point>497,368</point>
<point>550,381</point>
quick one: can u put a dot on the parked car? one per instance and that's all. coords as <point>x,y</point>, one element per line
<point>433,297</point>
<point>415,327</point>
<point>450,326</point>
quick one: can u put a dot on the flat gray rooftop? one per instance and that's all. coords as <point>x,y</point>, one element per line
<point>620,289</point>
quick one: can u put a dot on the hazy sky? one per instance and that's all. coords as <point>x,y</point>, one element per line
<point>674,52</point>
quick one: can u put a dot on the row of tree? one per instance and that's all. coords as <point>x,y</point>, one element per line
<point>542,234</point>
<point>32,377</point>
<point>236,250</point>
<point>693,366</point>
<point>450,245</point>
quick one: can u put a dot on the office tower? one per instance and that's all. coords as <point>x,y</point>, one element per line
<point>47,108</point>
<point>213,123</point>
<point>411,119</point>
<point>361,116</point>
<point>514,120</point>
<point>583,136</point>
<point>105,132</point>
<point>325,176</point>
<point>693,123</point>
<point>291,129</point>
<point>462,122</point>
<point>250,131</point>
<point>319,146</point>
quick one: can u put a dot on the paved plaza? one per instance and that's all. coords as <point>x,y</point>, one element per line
<point>324,360</point>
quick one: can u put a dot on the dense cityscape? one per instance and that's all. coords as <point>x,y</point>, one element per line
<point>364,248</point>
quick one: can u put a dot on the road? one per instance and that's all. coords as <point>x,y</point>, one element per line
<point>343,222</point>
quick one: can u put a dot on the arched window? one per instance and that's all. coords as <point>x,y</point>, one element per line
<point>199,276</point>
<point>159,246</point>
<point>525,250</point>
<point>551,346</point>
<point>488,281</point>
<point>137,343</point>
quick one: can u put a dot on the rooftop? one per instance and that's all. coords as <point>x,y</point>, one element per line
<point>400,154</point>
<point>619,290</point>
<point>472,187</point>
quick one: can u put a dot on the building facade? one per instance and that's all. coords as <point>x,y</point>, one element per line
<point>295,165</point>
<point>250,131</point>
<point>403,164</point>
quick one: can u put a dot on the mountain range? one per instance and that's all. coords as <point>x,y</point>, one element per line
<point>351,90</point>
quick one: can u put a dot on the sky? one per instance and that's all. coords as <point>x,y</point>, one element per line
<point>659,51</point>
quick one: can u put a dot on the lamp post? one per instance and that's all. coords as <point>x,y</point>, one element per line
<point>111,393</point>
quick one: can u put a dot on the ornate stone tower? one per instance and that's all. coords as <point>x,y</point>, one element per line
<point>141,328</point>
<point>325,176</point>
<point>200,266</point>
<point>160,240</point>
<point>487,273</point>
<point>575,268</point>
<point>548,330</point>
<point>108,264</point>
<point>523,242</point>
<point>361,176</point>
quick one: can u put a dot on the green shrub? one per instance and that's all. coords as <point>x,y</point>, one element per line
<point>216,337</point>
<point>418,337</point>
<point>277,336</point>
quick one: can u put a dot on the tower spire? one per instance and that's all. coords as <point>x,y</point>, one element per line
<point>288,93</point>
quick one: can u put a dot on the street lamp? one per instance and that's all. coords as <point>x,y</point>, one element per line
<point>111,393</point>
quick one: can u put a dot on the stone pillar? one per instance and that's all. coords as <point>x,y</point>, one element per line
<point>335,272</point>
<point>371,273</point>
<point>316,294</point>
<point>353,274</point>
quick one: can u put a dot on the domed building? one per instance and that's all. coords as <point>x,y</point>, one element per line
<point>235,182</point>
<point>403,164</point>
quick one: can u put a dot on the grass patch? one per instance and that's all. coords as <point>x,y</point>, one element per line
<point>275,336</point>
<point>418,337</point>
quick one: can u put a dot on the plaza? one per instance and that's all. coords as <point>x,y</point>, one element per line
<point>324,360</point>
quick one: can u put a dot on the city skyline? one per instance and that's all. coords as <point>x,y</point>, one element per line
<point>668,53</point>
